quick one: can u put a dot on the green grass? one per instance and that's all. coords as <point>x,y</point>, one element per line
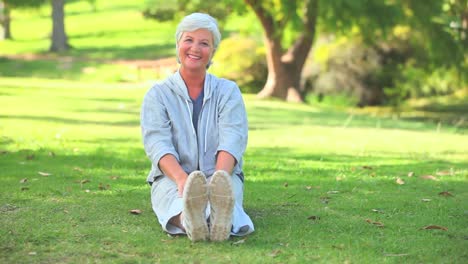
<point>314,175</point>
<point>301,162</point>
<point>115,31</point>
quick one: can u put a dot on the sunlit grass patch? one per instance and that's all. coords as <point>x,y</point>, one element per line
<point>320,186</point>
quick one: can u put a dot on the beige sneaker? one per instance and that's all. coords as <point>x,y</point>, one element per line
<point>195,201</point>
<point>221,198</point>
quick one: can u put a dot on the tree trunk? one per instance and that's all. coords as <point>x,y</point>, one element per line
<point>285,68</point>
<point>283,78</point>
<point>59,37</point>
<point>5,19</point>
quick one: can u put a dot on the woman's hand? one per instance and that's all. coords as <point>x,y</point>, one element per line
<point>172,169</point>
<point>180,185</point>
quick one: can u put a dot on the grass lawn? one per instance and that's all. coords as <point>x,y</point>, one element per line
<point>320,186</point>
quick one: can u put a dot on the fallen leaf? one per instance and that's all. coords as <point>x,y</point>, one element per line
<point>367,167</point>
<point>445,193</point>
<point>45,174</point>
<point>425,200</point>
<point>325,199</point>
<point>313,217</point>
<point>444,173</point>
<point>84,181</point>
<point>338,178</point>
<point>136,211</point>
<point>400,181</point>
<point>378,224</point>
<point>8,208</point>
<point>102,187</point>
<point>51,154</point>
<point>23,180</point>
<point>309,187</point>
<point>377,211</point>
<point>396,255</point>
<point>410,174</point>
<point>340,246</point>
<point>113,177</point>
<point>32,253</point>
<point>285,184</point>
<point>242,241</point>
<point>435,227</point>
<point>333,192</point>
<point>78,169</point>
<point>274,253</point>
<point>429,177</point>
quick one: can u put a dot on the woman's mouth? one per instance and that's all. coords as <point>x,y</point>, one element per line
<point>193,57</point>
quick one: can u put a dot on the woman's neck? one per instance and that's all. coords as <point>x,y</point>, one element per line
<point>194,81</point>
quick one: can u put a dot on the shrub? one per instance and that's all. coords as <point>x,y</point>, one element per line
<point>350,68</point>
<point>242,60</point>
<point>155,9</point>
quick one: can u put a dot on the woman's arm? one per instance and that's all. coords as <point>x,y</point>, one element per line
<point>225,161</point>
<point>171,168</point>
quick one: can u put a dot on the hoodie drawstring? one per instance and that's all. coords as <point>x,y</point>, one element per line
<point>190,114</point>
<point>207,127</point>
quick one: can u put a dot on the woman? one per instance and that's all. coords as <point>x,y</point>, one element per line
<point>194,129</point>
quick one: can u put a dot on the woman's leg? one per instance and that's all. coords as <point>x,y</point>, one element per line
<point>167,205</point>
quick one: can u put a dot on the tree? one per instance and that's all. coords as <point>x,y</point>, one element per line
<point>290,26</point>
<point>5,13</point>
<point>5,19</point>
<point>285,65</point>
<point>59,37</point>
<point>374,21</point>
<point>164,10</point>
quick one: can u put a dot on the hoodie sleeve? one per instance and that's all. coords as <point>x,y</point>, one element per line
<point>233,128</point>
<point>156,128</point>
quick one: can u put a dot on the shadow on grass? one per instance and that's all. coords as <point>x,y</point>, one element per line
<point>81,58</point>
<point>141,52</point>
<point>271,118</point>
<point>52,69</point>
<point>453,113</point>
<point>127,123</point>
<point>286,216</point>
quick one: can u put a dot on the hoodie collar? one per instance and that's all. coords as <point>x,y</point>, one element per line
<point>177,84</point>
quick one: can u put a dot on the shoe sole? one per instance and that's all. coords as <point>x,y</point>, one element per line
<point>222,203</point>
<point>195,200</point>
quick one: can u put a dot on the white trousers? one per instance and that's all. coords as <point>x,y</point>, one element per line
<point>166,204</point>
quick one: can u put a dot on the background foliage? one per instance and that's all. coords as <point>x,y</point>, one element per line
<point>325,182</point>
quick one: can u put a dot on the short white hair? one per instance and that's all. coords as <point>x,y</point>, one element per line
<point>194,22</point>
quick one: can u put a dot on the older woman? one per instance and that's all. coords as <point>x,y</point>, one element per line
<point>194,129</point>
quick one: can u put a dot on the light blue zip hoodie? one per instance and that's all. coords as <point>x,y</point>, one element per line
<point>166,125</point>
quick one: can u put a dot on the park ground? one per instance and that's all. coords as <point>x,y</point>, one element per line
<point>325,182</point>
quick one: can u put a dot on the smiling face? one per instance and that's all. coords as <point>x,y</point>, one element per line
<point>195,49</point>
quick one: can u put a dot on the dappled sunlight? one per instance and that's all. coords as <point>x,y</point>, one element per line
<point>324,181</point>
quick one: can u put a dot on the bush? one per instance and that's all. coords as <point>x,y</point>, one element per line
<point>349,68</point>
<point>389,72</point>
<point>160,10</point>
<point>242,60</point>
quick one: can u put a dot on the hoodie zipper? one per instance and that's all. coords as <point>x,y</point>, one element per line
<point>187,103</point>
